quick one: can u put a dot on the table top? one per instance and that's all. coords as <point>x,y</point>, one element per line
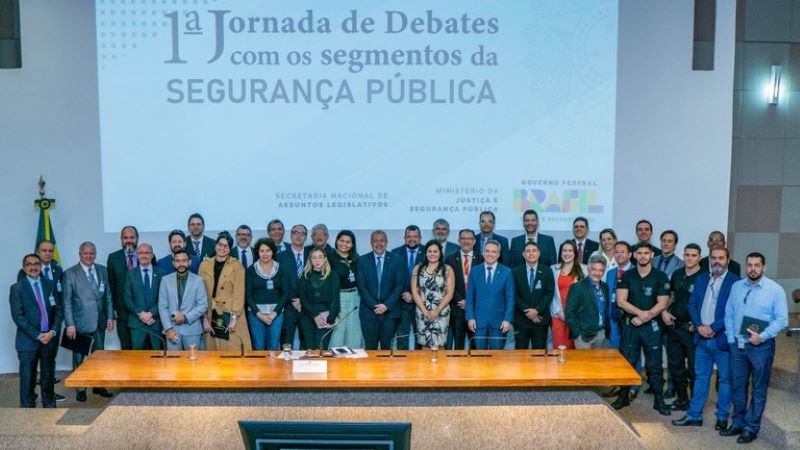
<point>502,368</point>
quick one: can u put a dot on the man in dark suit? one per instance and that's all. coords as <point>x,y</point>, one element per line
<point>486,222</point>
<point>490,300</point>
<point>462,264</point>
<point>242,250</point>
<point>644,233</point>
<point>275,231</point>
<point>587,308</point>
<point>141,299</point>
<point>441,232</point>
<point>546,244</point>
<point>716,239</point>
<point>294,259</point>
<point>52,271</point>
<point>37,313</point>
<point>87,306</point>
<point>707,314</point>
<point>177,241</point>
<point>199,245</point>
<point>411,253</point>
<point>585,246</point>
<point>119,264</point>
<point>380,284</point>
<point>533,288</point>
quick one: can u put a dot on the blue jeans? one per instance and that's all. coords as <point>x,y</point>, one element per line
<point>495,341</point>
<point>753,361</point>
<point>706,354</point>
<point>265,337</point>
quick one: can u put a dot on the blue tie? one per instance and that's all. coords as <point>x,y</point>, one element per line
<point>90,277</point>
<point>298,264</point>
<point>489,276</point>
<point>411,259</point>
<point>148,290</point>
<point>244,258</point>
<point>380,273</point>
<point>531,278</point>
<point>47,273</point>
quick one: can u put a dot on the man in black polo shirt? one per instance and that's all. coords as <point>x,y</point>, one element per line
<point>679,330</point>
<point>643,293</point>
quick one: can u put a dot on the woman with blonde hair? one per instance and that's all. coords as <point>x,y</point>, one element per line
<point>318,289</point>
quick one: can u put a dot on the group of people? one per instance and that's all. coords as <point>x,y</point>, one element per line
<point>218,294</point>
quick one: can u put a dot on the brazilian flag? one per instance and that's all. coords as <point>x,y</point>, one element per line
<point>45,230</point>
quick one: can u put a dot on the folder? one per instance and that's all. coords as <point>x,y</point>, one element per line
<point>81,344</point>
<point>754,324</point>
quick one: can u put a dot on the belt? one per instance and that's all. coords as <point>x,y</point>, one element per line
<point>349,289</point>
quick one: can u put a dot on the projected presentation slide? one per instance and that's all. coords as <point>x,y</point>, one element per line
<point>359,114</point>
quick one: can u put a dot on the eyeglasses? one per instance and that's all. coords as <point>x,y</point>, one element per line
<point>299,232</point>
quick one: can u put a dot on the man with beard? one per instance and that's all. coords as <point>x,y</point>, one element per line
<point>679,330</point>
<point>177,241</point>
<point>412,254</point>
<point>119,264</point>
<point>755,314</point>
<point>200,246</point>
<point>182,303</point>
<point>707,312</point>
<point>643,293</point>
<point>716,239</point>
<point>242,250</point>
<point>546,244</point>
<point>319,239</point>
<point>441,231</point>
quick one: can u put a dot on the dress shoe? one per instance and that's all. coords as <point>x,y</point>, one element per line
<point>102,392</point>
<point>662,409</point>
<point>613,392</point>
<point>746,437</point>
<point>730,431</point>
<point>632,396</point>
<point>688,422</point>
<point>620,403</point>
<point>60,398</point>
<point>721,424</point>
<point>81,397</point>
<point>669,394</point>
<point>57,380</point>
<point>679,405</point>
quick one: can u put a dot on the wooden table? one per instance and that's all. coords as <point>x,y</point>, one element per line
<point>505,368</point>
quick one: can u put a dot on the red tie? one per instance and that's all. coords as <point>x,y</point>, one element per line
<point>619,273</point>
<point>580,251</point>
<point>130,261</point>
<point>466,270</point>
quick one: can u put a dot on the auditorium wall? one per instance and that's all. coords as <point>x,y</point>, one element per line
<point>667,116</point>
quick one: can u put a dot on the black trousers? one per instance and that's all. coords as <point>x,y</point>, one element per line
<point>291,322</point>
<point>406,326</point>
<point>534,337</point>
<point>380,330</point>
<point>647,338</point>
<point>44,358</point>
<point>142,340</point>
<point>680,359</point>
<point>314,335</point>
<point>124,334</point>
<point>458,327</point>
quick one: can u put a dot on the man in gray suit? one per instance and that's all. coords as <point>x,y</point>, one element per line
<point>87,306</point>
<point>182,303</point>
<point>140,295</point>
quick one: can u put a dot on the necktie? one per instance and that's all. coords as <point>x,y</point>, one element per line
<point>489,276</point>
<point>663,266</point>
<point>411,259</point>
<point>619,273</point>
<point>580,251</point>
<point>298,264</point>
<point>148,291</point>
<point>42,311</point>
<point>47,273</point>
<point>379,267</point>
<point>244,258</point>
<point>130,261</point>
<point>531,278</point>
<point>197,248</point>
<point>90,277</point>
<point>466,270</point>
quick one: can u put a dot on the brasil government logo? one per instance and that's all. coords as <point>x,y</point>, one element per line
<point>557,201</point>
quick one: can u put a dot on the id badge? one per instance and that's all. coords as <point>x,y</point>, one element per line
<point>654,325</point>
<point>538,284</point>
<point>102,287</point>
<point>351,277</point>
<point>58,286</point>
<point>52,300</point>
<point>270,285</point>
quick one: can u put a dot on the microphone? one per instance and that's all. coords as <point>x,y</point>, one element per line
<point>241,349</point>
<point>469,353</point>
<point>163,342</point>
<point>391,347</point>
<point>330,330</point>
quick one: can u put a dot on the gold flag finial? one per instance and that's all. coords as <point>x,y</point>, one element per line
<point>41,186</point>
